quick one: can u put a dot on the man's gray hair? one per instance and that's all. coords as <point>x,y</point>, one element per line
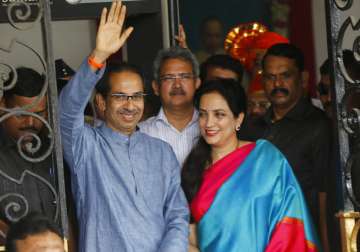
<point>175,53</point>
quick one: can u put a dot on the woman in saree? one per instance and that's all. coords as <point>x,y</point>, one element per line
<point>243,195</point>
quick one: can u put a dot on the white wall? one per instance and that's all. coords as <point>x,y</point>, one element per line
<point>320,37</point>
<point>72,41</point>
<point>319,28</point>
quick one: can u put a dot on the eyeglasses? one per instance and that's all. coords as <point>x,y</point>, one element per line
<point>262,105</point>
<point>121,97</point>
<point>323,89</point>
<point>171,78</point>
<point>278,77</point>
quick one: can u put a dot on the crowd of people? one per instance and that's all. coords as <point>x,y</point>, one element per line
<point>217,168</point>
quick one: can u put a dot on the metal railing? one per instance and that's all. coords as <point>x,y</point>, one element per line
<point>342,26</point>
<point>23,16</point>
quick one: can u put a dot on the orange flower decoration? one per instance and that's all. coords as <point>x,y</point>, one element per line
<point>238,42</point>
<point>244,40</point>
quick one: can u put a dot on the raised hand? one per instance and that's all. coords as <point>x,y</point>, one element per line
<point>110,36</point>
<point>181,38</point>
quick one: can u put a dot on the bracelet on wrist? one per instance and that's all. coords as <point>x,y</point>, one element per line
<point>93,63</point>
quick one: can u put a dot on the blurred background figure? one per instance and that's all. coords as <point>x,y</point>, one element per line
<point>212,38</point>
<point>257,102</point>
<point>325,89</point>
<point>256,108</point>
<point>34,233</point>
<point>23,136</point>
<point>221,66</point>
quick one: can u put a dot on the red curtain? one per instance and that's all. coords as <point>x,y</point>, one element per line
<point>301,34</point>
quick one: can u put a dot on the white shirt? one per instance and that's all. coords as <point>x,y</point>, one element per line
<point>181,142</point>
<point>317,103</point>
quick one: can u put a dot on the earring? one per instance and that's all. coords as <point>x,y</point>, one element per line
<point>237,128</point>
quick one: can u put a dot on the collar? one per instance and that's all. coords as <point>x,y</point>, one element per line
<point>119,137</point>
<point>162,117</point>
<point>297,113</point>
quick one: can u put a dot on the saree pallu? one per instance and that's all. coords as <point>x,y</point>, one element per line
<point>251,201</point>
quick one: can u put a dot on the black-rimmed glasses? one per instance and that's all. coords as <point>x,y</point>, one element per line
<point>264,105</point>
<point>121,97</point>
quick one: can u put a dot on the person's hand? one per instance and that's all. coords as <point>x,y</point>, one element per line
<point>192,248</point>
<point>110,37</point>
<point>181,38</point>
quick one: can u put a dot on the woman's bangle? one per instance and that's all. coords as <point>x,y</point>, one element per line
<point>93,63</point>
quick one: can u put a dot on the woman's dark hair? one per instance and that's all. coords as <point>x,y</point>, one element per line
<point>200,156</point>
<point>222,61</point>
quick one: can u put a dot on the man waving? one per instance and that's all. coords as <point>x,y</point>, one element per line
<point>126,184</point>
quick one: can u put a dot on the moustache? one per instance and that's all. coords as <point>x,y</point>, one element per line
<point>177,91</point>
<point>30,130</point>
<point>125,111</point>
<point>279,90</point>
